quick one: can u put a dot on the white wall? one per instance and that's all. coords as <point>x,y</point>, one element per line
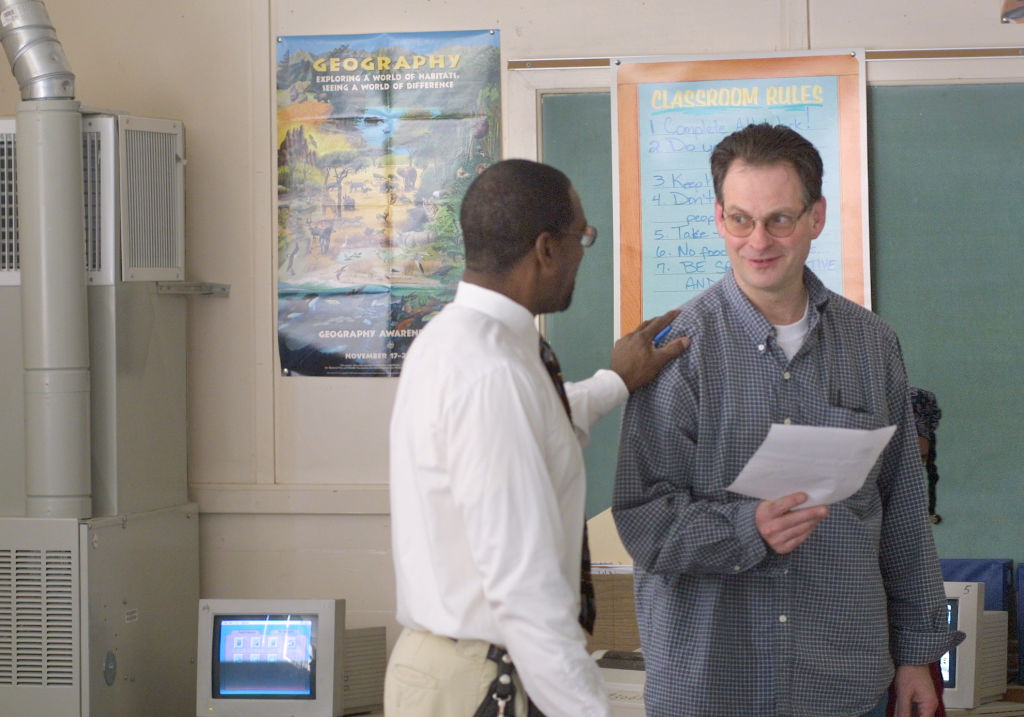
<point>291,474</point>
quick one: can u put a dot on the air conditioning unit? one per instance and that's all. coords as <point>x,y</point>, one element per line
<point>97,616</point>
<point>133,251</point>
<point>95,613</point>
<point>133,199</point>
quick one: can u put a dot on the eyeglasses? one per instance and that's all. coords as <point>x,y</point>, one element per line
<point>779,226</point>
<point>589,236</point>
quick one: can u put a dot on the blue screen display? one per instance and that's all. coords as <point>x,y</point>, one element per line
<point>947,663</point>
<point>264,657</point>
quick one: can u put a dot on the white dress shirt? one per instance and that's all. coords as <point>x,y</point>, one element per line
<point>487,495</point>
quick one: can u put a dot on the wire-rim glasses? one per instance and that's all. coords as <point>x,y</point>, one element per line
<point>779,225</point>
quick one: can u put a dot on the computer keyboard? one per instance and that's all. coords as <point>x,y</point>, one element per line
<point>624,680</point>
<point>626,701</point>
<point>626,697</point>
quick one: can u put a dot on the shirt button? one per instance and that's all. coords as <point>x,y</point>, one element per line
<point>786,375</point>
<point>736,568</point>
<point>760,347</point>
<point>787,421</point>
<point>783,618</point>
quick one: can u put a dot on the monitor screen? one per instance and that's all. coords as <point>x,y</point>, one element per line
<point>269,657</point>
<point>947,663</point>
<point>264,657</point>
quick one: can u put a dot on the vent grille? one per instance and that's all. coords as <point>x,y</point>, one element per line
<point>99,146</point>
<point>8,204</point>
<point>37,618</point>
<point>151,176</point>
<point>92,183</point>
<point>152,213</point>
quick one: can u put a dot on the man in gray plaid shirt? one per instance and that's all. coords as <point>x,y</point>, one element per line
<point>763,608</point>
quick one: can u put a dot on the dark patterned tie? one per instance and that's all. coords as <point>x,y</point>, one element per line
<point>588,609</point>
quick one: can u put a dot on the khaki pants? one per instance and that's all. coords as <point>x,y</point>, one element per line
<point>432,676</point>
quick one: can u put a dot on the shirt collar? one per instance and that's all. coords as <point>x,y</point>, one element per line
<point>499,307</point>
<point>817,294</point>
<point>754,321</point>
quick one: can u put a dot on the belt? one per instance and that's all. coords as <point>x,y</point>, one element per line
<point>501,694</point>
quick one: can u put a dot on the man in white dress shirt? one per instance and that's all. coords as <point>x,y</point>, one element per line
<point>487,472</point>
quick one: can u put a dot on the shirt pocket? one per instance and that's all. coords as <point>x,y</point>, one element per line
<point>847,417</point>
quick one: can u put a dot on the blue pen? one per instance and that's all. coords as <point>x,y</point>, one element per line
<point>662,334</point>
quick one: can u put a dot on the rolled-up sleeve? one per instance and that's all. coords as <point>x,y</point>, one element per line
<point>594,398</point>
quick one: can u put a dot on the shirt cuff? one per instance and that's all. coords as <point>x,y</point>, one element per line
<point>921,648</point>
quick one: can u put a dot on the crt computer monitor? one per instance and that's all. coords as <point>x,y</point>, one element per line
<point>266,658</point>
<point>973,672</point>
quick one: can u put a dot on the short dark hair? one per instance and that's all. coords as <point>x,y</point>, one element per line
<point>765,144</point>
<point>505,209</point>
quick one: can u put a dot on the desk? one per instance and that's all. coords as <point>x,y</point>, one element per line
<point>615,627</point>
<point>992,709</point>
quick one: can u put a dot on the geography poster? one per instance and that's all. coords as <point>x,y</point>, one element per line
<point>378,137</point>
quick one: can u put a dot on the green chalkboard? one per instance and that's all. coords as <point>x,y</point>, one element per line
<point>946,173</point>
<point>576,138</point>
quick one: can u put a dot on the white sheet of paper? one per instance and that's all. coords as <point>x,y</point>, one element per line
<point>828,464</point>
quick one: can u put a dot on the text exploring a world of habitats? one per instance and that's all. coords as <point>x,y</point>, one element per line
<point>378,137</point>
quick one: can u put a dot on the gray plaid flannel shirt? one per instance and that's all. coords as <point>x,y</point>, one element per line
<point>727,626</point>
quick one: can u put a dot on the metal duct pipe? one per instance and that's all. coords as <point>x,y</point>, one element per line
<point>54,309</point>
<point>36,56</point>
<point>54,303</point>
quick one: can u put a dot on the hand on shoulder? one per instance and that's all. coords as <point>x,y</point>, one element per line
<point>637,359</point>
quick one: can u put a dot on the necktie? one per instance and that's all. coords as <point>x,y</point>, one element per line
<point>588,609</point>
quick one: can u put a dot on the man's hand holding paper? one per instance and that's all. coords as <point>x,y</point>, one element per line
<point>782,526</point>
<point>799,470</point>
